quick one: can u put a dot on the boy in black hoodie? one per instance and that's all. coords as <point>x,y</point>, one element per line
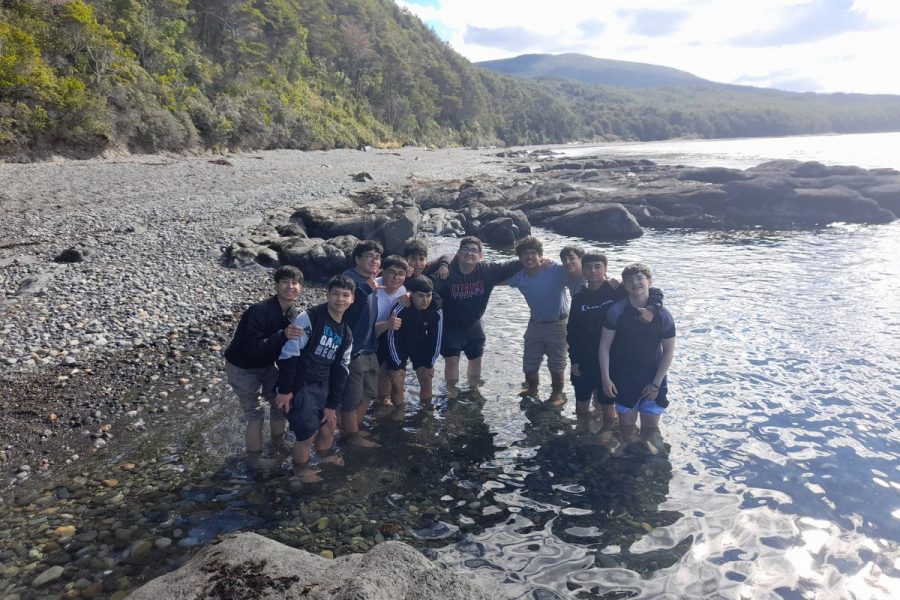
<point>250,357</point>
<point>418,338</point>
<point>312,373</point>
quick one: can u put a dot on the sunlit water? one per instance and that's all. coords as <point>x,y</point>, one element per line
<point>782,477</point>
<point>783,474</point>
<point>868,150</point>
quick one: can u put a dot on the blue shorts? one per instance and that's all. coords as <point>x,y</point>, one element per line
<point>308,409</point>
<point>645,407</point>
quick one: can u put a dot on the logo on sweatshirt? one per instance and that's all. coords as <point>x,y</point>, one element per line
<point>461,291</point>
<point>328,343</point>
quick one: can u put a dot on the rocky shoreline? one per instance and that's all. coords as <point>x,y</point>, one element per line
<point>116,302</point>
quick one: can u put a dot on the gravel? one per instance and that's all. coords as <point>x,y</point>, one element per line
<point>151,299</point>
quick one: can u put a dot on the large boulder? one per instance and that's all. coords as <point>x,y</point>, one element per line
<point>712,175</point>
<point>500,232</point>
<point>248,565</point>
<point>392,226</point>
<point>320,259</point>
<point>597,222</point>
<point>805,207</point>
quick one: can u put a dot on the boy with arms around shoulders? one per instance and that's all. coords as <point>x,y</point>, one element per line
<point>589,306</point>
<point>362,385</point>
<point>544,288</point>
<point>635,356</point>
<point>418,338</point>
<point>250,357</point>
<point>465,294</point>
<point>313,371</point>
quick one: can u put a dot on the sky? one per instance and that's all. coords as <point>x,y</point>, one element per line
<point>794,45</point>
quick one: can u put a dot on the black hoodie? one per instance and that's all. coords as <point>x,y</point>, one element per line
<point>419,336</point>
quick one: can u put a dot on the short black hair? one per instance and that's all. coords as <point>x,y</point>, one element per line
<point>419,283</point>
<point>594,257</point>
<point>471,240</point>
<point>394,261</point>
<point>415,248</point>
<point>288,272</point>
<point>529,242</point>
<point>367,246</point>
<point>342,282</point>
<point>576,250</point>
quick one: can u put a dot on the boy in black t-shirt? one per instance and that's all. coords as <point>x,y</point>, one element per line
<point>635,357</point>
<point>465,294</point>
<point>313,371</point>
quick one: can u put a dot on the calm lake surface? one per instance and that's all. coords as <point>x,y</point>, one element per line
<point>782,479</point>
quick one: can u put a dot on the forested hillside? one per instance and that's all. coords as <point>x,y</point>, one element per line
<point>78,77</point>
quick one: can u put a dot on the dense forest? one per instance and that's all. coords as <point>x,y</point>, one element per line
<point>78,77</point>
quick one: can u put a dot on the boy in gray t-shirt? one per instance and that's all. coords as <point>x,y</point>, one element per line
<point>543,284</point>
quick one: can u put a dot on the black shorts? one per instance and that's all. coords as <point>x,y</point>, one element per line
<point>469,340</point>
<point>418,360</point>
<point>308,409</point>
<point>587,383</point>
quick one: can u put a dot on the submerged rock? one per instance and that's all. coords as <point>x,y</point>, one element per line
<point>247,565</point>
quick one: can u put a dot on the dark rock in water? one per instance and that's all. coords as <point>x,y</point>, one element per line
<point>362,177</point>
<point>713,175</point>
<point>887,195</point>
<point>499,232</point>
<point>597,222</point>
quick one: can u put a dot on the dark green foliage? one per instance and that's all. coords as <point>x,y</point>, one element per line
<point>80,76</point>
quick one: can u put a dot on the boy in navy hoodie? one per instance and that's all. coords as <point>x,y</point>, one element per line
<point>312,373</point>
<point>418,338</point>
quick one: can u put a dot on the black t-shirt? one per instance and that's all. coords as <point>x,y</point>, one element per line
<point>586,323</point>
<point>636,349</point>
<point>466,296</point>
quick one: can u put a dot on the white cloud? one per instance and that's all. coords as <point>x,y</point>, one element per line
<point>700,40</point>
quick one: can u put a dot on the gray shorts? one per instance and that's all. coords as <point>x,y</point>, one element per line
<point>308,409</point>
<point>362,382</point>
<point>249,385</point>
<point>545,338</point>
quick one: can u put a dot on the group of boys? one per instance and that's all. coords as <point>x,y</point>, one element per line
<point>337,358</point>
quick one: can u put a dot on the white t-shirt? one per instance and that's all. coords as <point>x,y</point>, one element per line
<point>386,301</point>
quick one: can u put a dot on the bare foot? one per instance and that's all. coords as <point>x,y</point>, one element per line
<point>332,459</point>
<point>452,391</point>
<point>557,398</point>
<point>397,414</point>
<point>362,442</point>
<point>307,475</point>
<point>650,447</point>
<point>617,450</point>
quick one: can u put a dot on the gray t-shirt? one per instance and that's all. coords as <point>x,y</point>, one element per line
<point>545,291</point>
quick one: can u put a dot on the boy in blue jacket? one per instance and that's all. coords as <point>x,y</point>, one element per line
<point>312,373</point>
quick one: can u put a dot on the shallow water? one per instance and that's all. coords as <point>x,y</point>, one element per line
<point>782,478</point>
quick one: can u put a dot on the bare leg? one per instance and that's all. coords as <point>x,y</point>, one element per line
<point>451,370</point>
<point>277,428</point>
<point>324,441</point>
<point>350,428</point>
<point>473,372</point>
<point>253,436</point>
<point>609,416</point>
<point>301,462</point>
<point>626,429</point>
<point>532,381</point>
<point>384,386</point>
<point>398,386</point>
<point>558,381</point>
<point>649,426</point>
<point>426,378</point>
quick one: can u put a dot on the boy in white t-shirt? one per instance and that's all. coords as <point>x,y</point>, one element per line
<point>390,289</point>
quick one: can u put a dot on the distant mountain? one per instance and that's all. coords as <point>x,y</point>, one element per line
<point>593,71</point>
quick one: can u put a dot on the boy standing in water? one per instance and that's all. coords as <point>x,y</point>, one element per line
<point>570,257</point>
<point>465,293</point>
<point>250,358</point>
<point>390,289</point>
<point>544,289</point>
<point>589,306</point>
<point>362,385</point>
<point>635,356</point>
<point>313,370</point>
<point>417,338</point>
